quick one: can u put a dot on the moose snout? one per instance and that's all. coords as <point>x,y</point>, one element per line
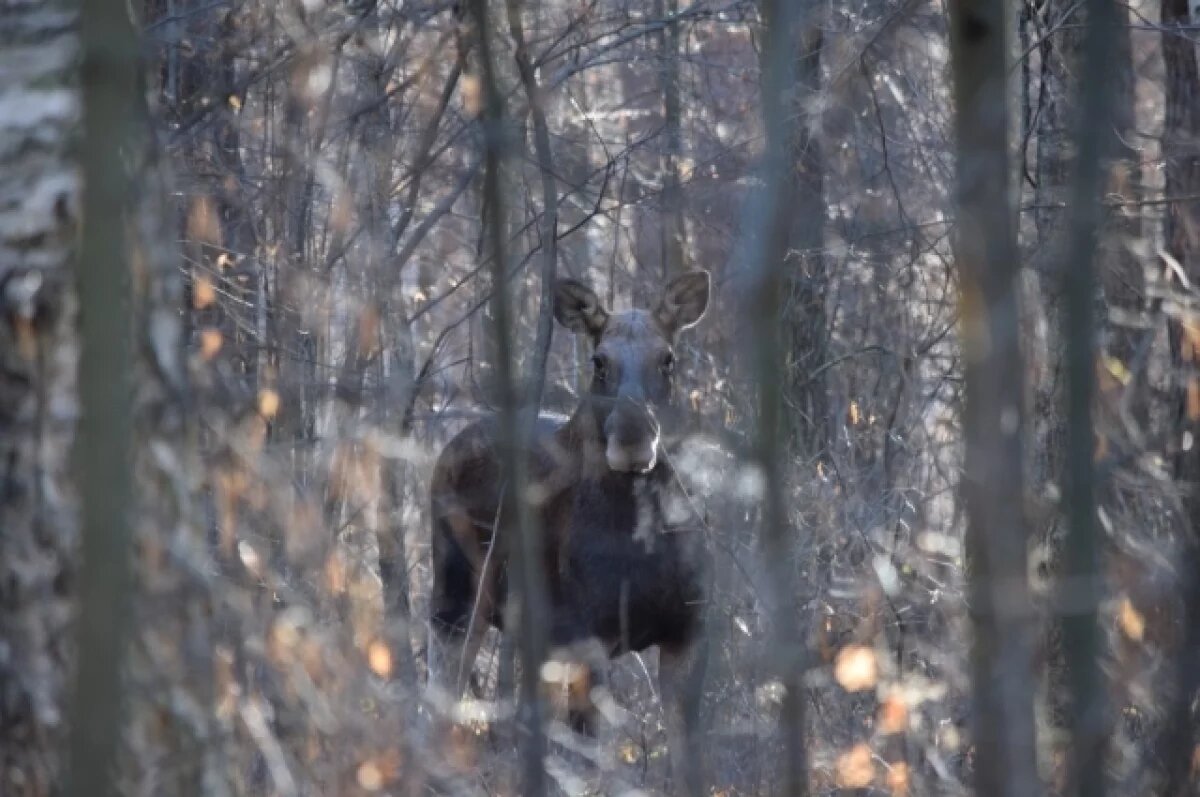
<point>631,432</point>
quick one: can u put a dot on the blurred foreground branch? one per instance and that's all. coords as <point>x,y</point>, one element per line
<point>104,446</point>
<point>992,485</point>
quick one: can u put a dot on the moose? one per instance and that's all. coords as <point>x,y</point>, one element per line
<point>624,560</point>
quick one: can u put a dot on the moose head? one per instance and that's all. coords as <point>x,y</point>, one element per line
<point>633,363</point>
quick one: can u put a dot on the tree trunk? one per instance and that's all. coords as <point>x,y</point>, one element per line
<point>772,232</point>
<point>39,208</point>
<point>1119,270</point>
<point>674,232</point>
<point>1080,587</point>
<point>806,277</point>
<point>992,486</point>
<point>525,543</point>
<point>1181,153</point>
<point>105,440</point>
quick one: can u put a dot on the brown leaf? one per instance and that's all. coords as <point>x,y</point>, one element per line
<point>1191,338</point>
<point>335,573</point>
<point>203,226</point>
<point>369,776</point>
<point>203,293</point>
<point>1112,374</point>
<point>379,658</point>
<point>856,768</point>
<point>210,342</point>
<point>1130,620</point>
<point>856,668</point>
<point>897,779</point>
<point>268,403</point>
<point>472,94</point>
<point>893,714</point>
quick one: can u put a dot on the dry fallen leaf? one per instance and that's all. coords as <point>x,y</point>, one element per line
<point>856,668</point>
<point>203,293</point>
<point>472,94</point>
<point>897,779</point>
<point>268,403</point>
<point>855,768</point>
<point>202,223</point>
<point>1131,621</point>
<point>335,573</point>
<point>369,776</point>
<point>893,715</point>
<point>629,753</point>
<point>210,342</point>
<point>379,658</point>
<point>1114,368</point>
<point>1191,336</point>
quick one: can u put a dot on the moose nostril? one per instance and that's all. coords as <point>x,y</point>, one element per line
<point>637,457</point>
<point>631,431</point>
<point>630,424</point>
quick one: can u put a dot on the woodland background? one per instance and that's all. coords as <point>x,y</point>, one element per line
<point>280,307</point>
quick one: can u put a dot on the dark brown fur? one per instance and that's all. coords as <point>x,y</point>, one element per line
<point>623,559</point>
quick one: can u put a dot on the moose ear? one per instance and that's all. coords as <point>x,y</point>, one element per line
<point>684,301</point>
<point>578,308</point>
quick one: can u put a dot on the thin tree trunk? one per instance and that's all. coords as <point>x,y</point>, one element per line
<point>773,229</point>
<point>134,391</point>
<point>1119,270</point>
<point>1080,587</point>
<point>1181,153</point>
<point>535,380</point>
<point>674,231</point>
<point>806,277</point>
<point>525,549</point>
<point>39,210</point>
<point>105,441</point>
<point>992,488</point>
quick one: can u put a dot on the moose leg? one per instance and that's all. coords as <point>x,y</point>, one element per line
<point>577,684</point>
<point>445,656</point>
<point>455,643</point>
<point>462,602</point>
<point>680,683</point>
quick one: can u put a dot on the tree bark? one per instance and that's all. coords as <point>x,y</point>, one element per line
<point>674,231</point>
<point>772,235</point>
<point>806,277</point>
<point>1080,588</point>
<point>524,540</point>
<point>1181,153</point>
<point>535,379</point>
<point>39,210</point>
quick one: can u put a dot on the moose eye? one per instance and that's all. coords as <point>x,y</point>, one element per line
<point>668,363</point>
<point>600,367</point>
